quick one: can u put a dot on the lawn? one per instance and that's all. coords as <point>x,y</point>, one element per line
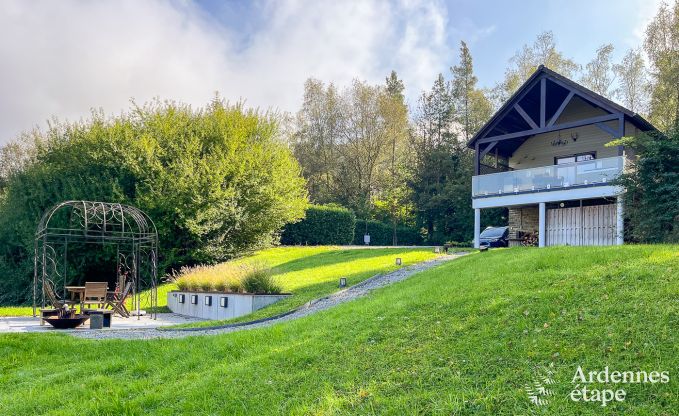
<point>307,272</point>
<point>463,338</point>
<point>16,311</point>
<point>313,272</point>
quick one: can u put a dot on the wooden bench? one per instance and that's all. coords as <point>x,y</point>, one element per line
<point>46,313</point>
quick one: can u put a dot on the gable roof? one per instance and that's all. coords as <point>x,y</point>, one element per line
<point>565,83</point>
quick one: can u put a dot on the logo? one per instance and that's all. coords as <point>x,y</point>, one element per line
<point>597,386</point>
<point>587,384</point>
<point>538,389</point>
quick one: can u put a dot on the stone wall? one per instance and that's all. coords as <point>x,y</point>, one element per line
<point>522,219</point>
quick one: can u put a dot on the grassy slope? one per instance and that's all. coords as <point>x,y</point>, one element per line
<point>459,339</point>
<point>313,272</point>
<point>308,272</point>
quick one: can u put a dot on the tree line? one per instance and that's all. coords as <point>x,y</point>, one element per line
<point>223,180</point>
<point>364,148</point>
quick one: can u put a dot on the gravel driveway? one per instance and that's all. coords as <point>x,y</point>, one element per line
<point>346,295</point>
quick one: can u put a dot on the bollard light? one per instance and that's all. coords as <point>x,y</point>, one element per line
<point>343,282</point>
<point>398,261</point>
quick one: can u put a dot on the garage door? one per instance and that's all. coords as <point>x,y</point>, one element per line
<point>582,226</point>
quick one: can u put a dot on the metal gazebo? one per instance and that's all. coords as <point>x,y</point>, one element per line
<point>128,229</point>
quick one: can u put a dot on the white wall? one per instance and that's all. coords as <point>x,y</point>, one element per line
<point>238,304</point>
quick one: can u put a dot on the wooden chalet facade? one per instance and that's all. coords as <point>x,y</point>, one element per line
<point>544,156</point>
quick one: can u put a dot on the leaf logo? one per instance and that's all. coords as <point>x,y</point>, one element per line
<point>538,391</point>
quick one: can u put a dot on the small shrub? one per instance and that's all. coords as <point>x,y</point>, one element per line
<point>221,285</point>
<point>229,277</point>
<point>206,285</point>
<point>182,284</point>
<point>260,280</point>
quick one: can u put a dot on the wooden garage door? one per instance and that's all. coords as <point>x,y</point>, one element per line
<point>587,226</point>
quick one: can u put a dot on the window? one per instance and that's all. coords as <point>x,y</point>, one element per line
<point>580,157</point>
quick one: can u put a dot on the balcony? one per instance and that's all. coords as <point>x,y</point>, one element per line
<point>548,178</point>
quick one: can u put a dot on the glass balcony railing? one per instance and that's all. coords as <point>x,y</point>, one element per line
<point>549,178</point>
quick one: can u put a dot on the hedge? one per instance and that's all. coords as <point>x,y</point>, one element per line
<point>381,234</point>
<point>322,225</point>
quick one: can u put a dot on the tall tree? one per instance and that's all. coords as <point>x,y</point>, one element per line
<point>314,143</point>
<point>633,85</point>
<point>395,193</point>
<point>662,47</point>
<point>542,51</point>
<point>350,145</point>
<point>436,115</point>
<point>472,107</point>
<point>395,86</point>
<point>652,187</point>
<point>434,164</point>
<point>364,142</point>
<point>599,74</point>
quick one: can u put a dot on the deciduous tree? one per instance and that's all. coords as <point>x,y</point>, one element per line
<point>599,74</point>
<point>633,84</point>
<point>662,47</point>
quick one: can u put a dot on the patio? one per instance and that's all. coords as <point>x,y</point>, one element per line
<point>60,288</point>
<point>30,324</point>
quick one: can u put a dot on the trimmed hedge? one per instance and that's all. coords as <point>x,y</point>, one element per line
<point>323,225</point>
<point>381,234</point>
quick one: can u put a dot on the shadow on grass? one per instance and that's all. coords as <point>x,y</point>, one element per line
<point>299,298</point>
<point>335,257</point>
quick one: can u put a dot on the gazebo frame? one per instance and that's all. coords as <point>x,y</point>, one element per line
<point>129,229</point>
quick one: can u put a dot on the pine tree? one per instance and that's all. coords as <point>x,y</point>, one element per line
<point>472,107</point>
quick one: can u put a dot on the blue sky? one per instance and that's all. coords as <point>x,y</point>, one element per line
<point>61,59</point>
<point>496,29</point>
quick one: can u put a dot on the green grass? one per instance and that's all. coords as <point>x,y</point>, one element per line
<point>307,272</point>
<point>313,272</point>
<point>16,311</point>
<point>463,339</point>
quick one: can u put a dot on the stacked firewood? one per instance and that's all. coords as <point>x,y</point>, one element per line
<point>530,239</point>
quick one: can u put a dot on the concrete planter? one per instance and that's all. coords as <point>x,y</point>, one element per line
<point>218,305</point>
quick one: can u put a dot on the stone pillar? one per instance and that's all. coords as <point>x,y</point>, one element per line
<point>477,226</point>
<point>620,221</point>
<point>541,224</point>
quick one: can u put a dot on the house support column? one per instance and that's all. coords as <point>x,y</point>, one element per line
<point>541,224</point>
<point>477,227</point>
<point>620,221</point>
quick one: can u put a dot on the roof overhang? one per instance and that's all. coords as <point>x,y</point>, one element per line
<point>536,106</point>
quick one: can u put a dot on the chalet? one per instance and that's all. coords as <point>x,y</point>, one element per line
<point>543,155</point>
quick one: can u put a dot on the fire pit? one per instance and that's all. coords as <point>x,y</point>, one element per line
<point>67,323</point>
<point>66,319</point>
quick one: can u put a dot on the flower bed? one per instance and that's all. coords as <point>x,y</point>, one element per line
<point>229,277</point>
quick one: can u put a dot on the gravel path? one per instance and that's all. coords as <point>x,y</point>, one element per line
<point>346,295</point>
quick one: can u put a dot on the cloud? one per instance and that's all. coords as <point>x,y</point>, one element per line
<point>63,58</point>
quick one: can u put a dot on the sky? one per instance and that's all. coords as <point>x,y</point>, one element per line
<point>63,59</point>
